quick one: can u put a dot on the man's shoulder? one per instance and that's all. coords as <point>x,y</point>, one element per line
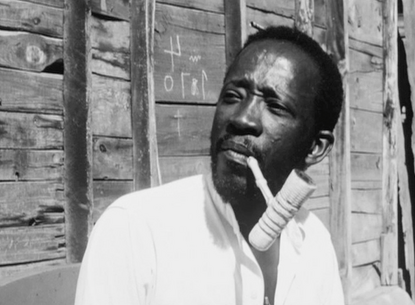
<point>178,192</point>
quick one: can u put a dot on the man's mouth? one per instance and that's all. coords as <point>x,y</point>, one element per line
<point>234,151</point>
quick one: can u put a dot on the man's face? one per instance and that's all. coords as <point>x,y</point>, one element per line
<point>265,110</point>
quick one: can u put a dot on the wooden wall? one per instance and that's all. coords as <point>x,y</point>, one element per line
<point>75,140</point>
<point>31,128</point>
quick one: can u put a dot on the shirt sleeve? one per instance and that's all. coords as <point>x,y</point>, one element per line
<point>119,264</point>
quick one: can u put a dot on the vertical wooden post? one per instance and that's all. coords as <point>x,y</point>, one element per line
<point>409,24</point>
<point>78,139</point>
<point>304,16</point>
<point>340,170</point>
<point>145,154</point>
<point>389,251</point>
<point>235,32</point>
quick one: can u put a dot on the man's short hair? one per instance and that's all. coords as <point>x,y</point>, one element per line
<point>329,97</point>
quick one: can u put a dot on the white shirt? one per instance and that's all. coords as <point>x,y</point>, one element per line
<point>179,244</point>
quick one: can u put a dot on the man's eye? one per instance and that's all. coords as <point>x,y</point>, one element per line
<point>231,97</point>
<point>277,107</point>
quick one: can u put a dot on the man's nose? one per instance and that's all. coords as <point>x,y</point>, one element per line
<point>247,117</point>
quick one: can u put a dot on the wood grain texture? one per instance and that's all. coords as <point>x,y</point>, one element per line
<point>389,264</point>
<point>13,270</point>
<point>216,6</point>
<point>145,150</point>
<point>366,167</point>
<point>407,210</point>
<point>265,19</point>
<point>364,279</point>
<point>184,130</point>
<point>367,200</point>
<point>189,55</point>
<point>31,92</point>
<point>54,3</point>
<point>337,44</point>
<point>235,20</point>
<point>110,35</point>
<point>365,21</point>
<point>30,131</point>
<point>31,17</point>
<point>27,204</point>
<point>409,26</point>
<point>30,244</point>
<point>365,131</point>
<point>366,227</point>
<point>304,16</point>
<point>78,136</point>
<point>360,96</point>
<point>110,107</point>
<point>113,8</point>
<point>173,168</point>
<point>366,253</point>
<point>113,158</point>
<point>32,165</point>
<point>278,7</point>
<point>26,51</point>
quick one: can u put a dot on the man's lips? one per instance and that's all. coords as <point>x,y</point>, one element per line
<point>235,151</point>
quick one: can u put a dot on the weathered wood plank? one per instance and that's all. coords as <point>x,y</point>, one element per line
<point>189,54</point>
<point>113,64</point>
<point>174,168</point>
<point>365,253</point>
<point>337,44</point>
<point>184,130</point>
<point>12,270</point>
<point>320,13</point>
<point>278,7</point>
<point>365,61</point>
<point>31,17</point>
<point>366,227</point>
<point>265,19</point>
<point>31,165</point>
<point>365,135</point>
<point>106,192</point>
<point>31,203</point>
<point>36,131</point>
<point>407,210</point>
<point>409,26</point>
<point>365,21</point>
<point>366,167</point>
<point>364,279</point>
<point>367,201</point>
<point>235,20</point>
<point>143,116</point>
<point>320,173</point>
<point>389,264</point>
<point>78,136</point>
<point>28,51</point>
<point>113,158</point>
<point>317,203</point>
<point>54,3</point>
<point>112,8</point>
<point>31,92</point>
<point>109,35</point>
<point>110,107</point>
<point>110,41</point>
<point>362,98</point>
<point>30,244</point>
<point>210,6</point>
<point>304,16</point>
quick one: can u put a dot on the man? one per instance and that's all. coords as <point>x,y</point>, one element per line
<point>186,242</point>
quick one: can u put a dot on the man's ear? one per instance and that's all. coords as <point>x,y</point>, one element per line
<point>320,147</point>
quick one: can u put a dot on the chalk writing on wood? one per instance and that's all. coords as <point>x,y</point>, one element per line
<point>191,80</point>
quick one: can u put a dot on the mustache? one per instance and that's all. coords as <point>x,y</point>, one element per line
<point>244,143</point>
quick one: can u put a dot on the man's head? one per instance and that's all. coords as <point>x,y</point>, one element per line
<point>279,103</point>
